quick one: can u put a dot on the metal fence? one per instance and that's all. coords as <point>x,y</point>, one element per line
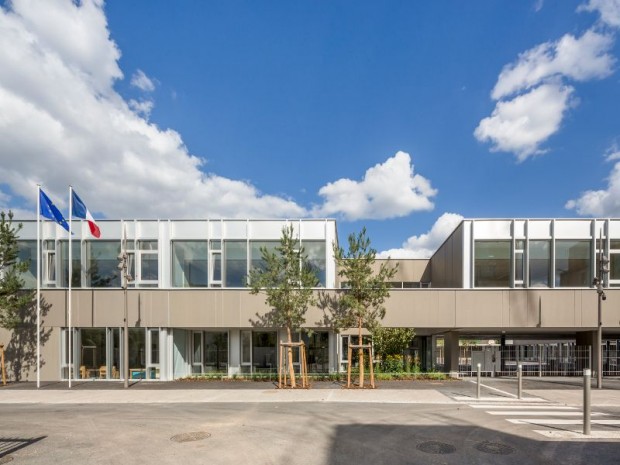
<point>535,359</point>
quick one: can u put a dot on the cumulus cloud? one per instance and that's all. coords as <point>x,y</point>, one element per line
<point>388,190</point>
<point>603,202</point>
<point>608,9</point>
<point>142,81</point>
<point>63,123</point>
<point>520,125</point>
<point>142,107</point>
<point>425,245</point>
<point>580,59</point>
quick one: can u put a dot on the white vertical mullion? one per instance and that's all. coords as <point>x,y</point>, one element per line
<point>38,286</point>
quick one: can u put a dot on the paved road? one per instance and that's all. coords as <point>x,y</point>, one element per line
<point>401,423</point>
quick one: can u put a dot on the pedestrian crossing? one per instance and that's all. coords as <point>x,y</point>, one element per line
<point>551,420</point>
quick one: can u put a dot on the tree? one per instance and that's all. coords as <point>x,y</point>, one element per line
<point>365,290</point>
<point>391,342</point>
<point>12,297</point>
<point>286,279</point>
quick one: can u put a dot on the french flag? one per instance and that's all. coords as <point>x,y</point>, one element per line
<point>79,210</point>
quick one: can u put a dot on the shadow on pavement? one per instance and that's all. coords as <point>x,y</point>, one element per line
<point>10,445</point>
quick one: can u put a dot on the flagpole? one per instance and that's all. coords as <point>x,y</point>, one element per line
<point>38,286</point>
<point>69,292</point>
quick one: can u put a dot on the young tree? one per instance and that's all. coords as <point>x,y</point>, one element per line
<point>12,298</point>
<point>391,342</point>
<point>365,290</point>
<point>287,280</point>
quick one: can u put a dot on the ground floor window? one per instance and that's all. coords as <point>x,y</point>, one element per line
<point>351,339</point>
<point>97,353</point>
<point>259,352</point>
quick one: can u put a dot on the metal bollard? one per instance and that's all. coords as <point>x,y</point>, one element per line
<point>478,386</point>
<point>520,381</point>
<point>586,401</point>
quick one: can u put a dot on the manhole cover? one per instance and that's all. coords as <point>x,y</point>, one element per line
<point>494,448</point>
<point>188,437</point>
<point>6,459</point>
<point>436,447</point>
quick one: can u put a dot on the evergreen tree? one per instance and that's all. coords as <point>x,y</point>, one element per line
<point>286,279</point>
<point>364,292</point>
<point>12,297</point>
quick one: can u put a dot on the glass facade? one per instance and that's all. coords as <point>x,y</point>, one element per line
<point>102,264</point>
<point>315,250</point>
<point>190,264</point>
<point>573,263</point>
<point>216,352</point>
<point>540,264</point>
<point>149,263</point>
<point>492,263</point>
<point>236,257</point>
<point>76,259</point>
<point>27,251</point>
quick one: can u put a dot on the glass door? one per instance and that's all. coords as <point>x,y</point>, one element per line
<point>197,338</point>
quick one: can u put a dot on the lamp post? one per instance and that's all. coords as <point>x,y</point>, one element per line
<point>598,282</point>
<point>123,265</point>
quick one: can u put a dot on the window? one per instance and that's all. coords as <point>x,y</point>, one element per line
<point>190,264</point>
<point>492,264</point>
<point>102,264</point>
<point>76,266</point>
<point>256,254</point>
<point>215,257</point>
<point>216,351</point>
<point>315,250</point>
<point>540,264</point>
<point>519,262</point>
<point>572,263</point>
<point>27,251</point>
<point>148,264</point>
<point>236,263</point>
<point>614,260</point>
<point>49,264</point>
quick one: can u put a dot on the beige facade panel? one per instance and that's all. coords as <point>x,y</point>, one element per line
<point>419,308</point>
<point>447,262</point>
<point>408,270</point>
<point>23,347</point>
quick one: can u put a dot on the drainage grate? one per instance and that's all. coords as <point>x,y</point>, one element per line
<point>494,448</point>
<point>188,437</point>
<point>436,447</point>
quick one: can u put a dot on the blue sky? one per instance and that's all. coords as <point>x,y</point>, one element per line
<point>398,116</point>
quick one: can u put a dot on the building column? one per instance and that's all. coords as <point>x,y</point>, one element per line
<point>451,352</point>
<point>588,338</point>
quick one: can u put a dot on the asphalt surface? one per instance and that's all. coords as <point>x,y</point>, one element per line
<point>423,422</point>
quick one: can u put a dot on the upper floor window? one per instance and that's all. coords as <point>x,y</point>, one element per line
<point>573,263</point>
<point>102,264</point>
<point>76,263</point>
<point>27,251</point>
<point>315,250</point>
<point>190,264</point>
<point>147,264</point>
<point>492,263</point>
<point>540,263</point>
<point>235,264</point>
<point>49,264</point>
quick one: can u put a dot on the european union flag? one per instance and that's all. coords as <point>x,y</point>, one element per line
<point>49,210</point>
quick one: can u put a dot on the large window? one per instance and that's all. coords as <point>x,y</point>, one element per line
<point>235,253</point>
<point>614,260</point>
<point>315,250</point>
<point>190,264</point>
<point>76,259</point>
<point>492,264</point>
<point>148,264</point>
<point>27,251</point>
<point>540,264</point>
<point>102,264</point>
<point>256,254</point>
<point>572,263</point>
<point>216,352</point>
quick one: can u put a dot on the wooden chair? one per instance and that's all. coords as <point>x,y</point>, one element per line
<point>83,372</point>
<point>103,372</point>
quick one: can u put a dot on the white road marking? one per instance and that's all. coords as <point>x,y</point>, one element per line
<point>555,421</point>
<point>546,412</point>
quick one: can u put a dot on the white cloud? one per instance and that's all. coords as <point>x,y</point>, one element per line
<point>388,190</point>
<point>603,202</point>
<point>538,5</point>
<point>425,245</point>
<point>142,81</point>
<point>62,123</point>
<point>581,59</point>
<point>520,125</point>
<point>608,9</point>
<point>142,107</point>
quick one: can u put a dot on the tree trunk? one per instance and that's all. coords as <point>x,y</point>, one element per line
<point>289,355</point>
<point>360,352</point>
